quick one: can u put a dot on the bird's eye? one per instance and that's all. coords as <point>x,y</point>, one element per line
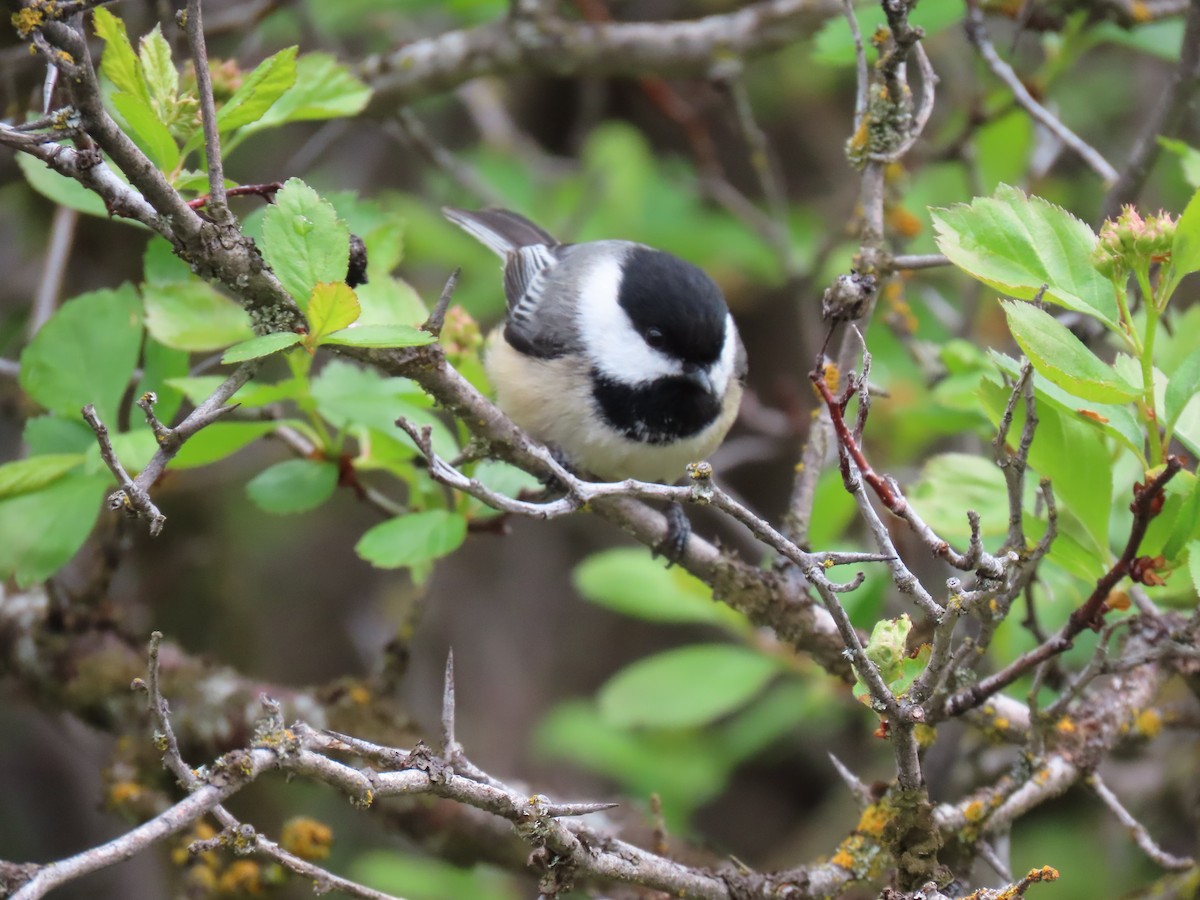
<point>654,337</point>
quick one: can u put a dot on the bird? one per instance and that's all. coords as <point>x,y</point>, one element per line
<point>622,358</point>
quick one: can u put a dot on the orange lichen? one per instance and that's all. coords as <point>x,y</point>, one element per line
<point>903,222</point>
<point>1149,723</point>
<point>873,820</point>
<point>243,876</point>
<point>307,838</point>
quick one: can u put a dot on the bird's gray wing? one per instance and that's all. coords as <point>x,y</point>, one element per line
<point>541,305</point>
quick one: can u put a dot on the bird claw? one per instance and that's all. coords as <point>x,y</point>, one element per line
<point>673,546</point>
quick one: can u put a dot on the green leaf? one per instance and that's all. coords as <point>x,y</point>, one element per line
<point>332,307</point>
<point>85,353</point>
<point>380,336</point>
<point>62,190</point>
<point>1062,358</point>
<point>323,89</point>
<point>263,345</point>
<point>304,241</point>
<point>685,688</point>
<point>1189,159</point>
<point>1183,386</point>
<point>952,483</point>
<point>162,79</point>
<point>296,485</point>
<point>389,301</point>
<point>413,538</point>
<point>217,441</point>
<point>261,88</point>
<point>40,531</point>
<point>1185,249</point>
<point>35,472</point>
<point>631,582</point>
<point>348,395</point>
<point>1017,243</point>
<point>119,63</point>
<point>191,315</point>
<point>501,478</point>
<point>147,130</point>
<point>160,265</point>
<point>49,435</point>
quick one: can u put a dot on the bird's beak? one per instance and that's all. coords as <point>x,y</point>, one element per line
<point>699,376</point>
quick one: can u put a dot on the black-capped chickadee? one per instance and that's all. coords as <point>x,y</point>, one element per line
<point>623,357</point>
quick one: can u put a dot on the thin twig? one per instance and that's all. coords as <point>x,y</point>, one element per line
<point>58,252</point>
<point>1088,615</point>
<point>409,130</point>
<point>218,204</point>
<point>977,34</point>
<point>762,163</point>
<point>905,263</point>
<point>1137,829</point>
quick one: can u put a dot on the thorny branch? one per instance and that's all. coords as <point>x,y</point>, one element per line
<point>534,39</point>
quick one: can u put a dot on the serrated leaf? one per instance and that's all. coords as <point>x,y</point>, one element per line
<point>380,336</point>
<point>259,91</point>
<point>118,62</point>
<point>191,315</point>
<point>304,241</point>
<point>1117,422</point>
<point>323,89</point>
<point>147,130</point>
<point>1017,243</point>
<point>35,472</point>
<point>332,307</point>
<point>85,353</point>
<point>1062,358</point>
<point>63,190</point>
<point>40,531</point>
<point>294,486</point>
<point>685,688</point>
<point>347,395</point>
<point>1183,386</point>
<point>632,583</point>
<point>158,68</point>
<point>412,539</point>
<point>1185,248</point>
<point>263,345</point>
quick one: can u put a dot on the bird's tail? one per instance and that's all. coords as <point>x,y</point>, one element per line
<point>499,230</point>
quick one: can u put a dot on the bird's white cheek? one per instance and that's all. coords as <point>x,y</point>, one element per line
<point>723,369</point>
<point>612,343</point>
